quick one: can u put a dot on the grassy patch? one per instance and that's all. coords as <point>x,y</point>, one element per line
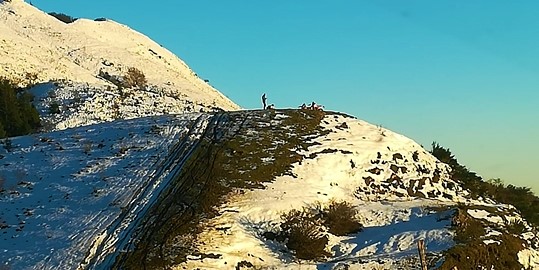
<point>239,150</point>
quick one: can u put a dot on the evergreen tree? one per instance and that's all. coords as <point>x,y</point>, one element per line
<point>459,172</point>
<point>11,117</point>
<point>520,197</point>
<point>17,114</point>
<point>29,113</point>
<point>2,131</point>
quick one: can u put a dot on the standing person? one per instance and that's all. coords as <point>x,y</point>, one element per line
<point>264,99</point>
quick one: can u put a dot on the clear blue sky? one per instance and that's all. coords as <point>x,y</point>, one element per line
<point>462,73</point>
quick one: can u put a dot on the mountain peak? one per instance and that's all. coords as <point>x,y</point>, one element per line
<point>37,48</point>
<point>181,179</point>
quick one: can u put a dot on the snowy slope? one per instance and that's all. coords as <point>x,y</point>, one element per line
<point>75,56</point>
<point>70,196</point>
<point>388,201</point>
<point>392,181</point>
<point>99,189</point>
<point>79,198</point>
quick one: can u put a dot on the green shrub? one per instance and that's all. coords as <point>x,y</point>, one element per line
<point>18,116</point>
<point>2,131</point>
<point>304,234</point>
<point>516,227</point>
<point>304,230</point>
<point>521,197</point>
<point>54,108</point>
<point>471,252</point>
<point>467,228</point>
<point>340,218</point>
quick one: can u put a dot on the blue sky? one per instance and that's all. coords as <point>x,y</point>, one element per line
<point>462,73</point>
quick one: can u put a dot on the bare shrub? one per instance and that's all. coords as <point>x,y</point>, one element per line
<point>304,233</point>
<point>134,78</point>
<point>340,218</point>
<point>31,79</point>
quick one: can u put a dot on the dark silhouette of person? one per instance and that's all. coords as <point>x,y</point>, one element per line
<point>264,99</point>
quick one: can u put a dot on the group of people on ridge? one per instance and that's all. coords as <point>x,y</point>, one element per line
<point>313,106</point>
<point>303,106</point>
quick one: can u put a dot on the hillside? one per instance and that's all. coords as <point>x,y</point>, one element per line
<point>208,191</point>
<point>78,67</point>
<point>141,164</point>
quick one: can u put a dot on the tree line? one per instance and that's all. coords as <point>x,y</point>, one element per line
<point>520,197</point>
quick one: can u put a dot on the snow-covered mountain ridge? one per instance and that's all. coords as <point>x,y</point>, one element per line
<point>76,66</point>
<point>156,176</point>
<point>204,190</point>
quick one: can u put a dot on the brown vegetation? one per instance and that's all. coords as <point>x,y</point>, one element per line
<point>134,78</point>
<point>340,218</point>
<point>231,156</point>
<point>304,234</point>
<point>471,252</point>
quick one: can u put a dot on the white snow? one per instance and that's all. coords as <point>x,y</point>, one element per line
<point>393,224</point>
<point>72,196</point>
<point>529,258</point>
<point>486,215</point>
<point>73,56</point>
